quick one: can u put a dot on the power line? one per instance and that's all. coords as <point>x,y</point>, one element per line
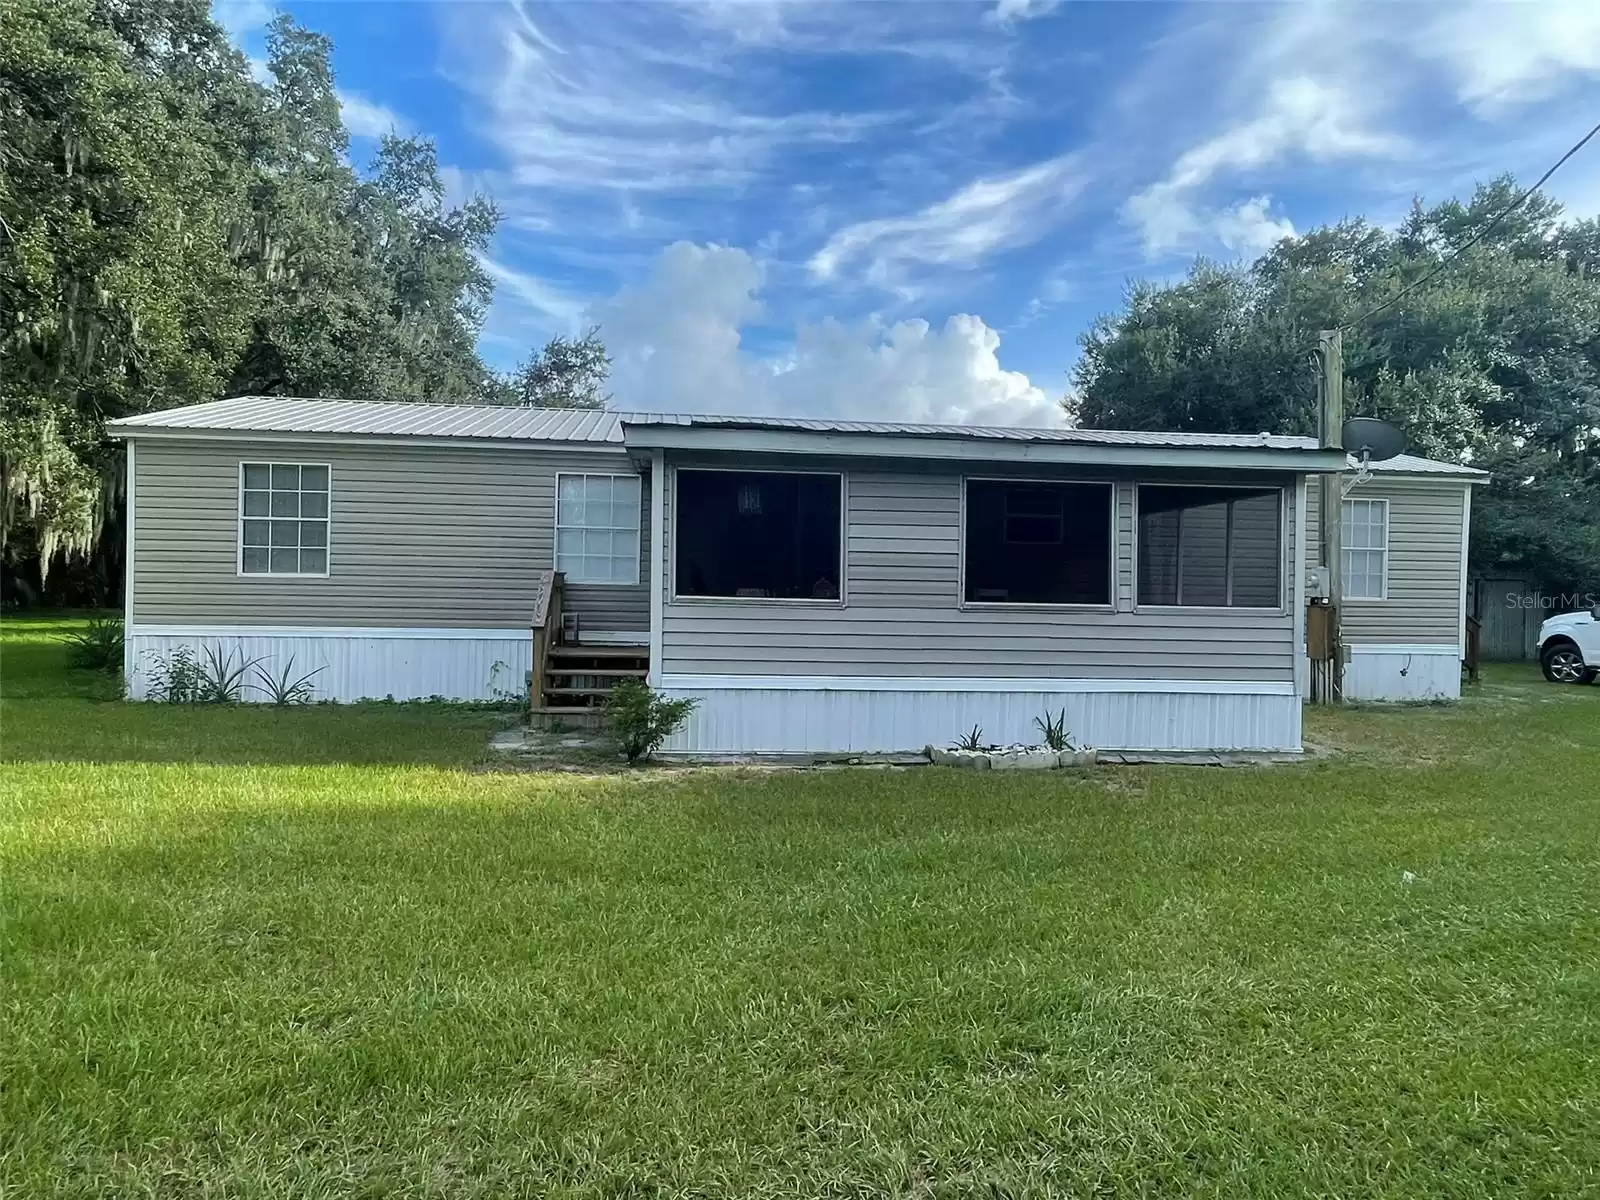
<point>1476,238</point>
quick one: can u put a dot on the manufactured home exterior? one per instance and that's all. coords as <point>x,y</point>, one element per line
<point>1404,536</point>
<point>816,586</point>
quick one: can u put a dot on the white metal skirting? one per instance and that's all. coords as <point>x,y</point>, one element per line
<point>355,664</point>
<point>1400,672</point>
<point>910,714</point>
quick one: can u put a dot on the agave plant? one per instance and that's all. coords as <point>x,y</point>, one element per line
<point>97,646</point>
<point>284,687</point>
<point>971,740</point>
<point>1053,727</point>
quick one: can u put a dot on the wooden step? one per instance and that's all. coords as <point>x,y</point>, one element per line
<point>570,651</point>
<point>577,691</point>
<point>603,672</point>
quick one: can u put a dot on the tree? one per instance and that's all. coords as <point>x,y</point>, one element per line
<point>1495,362</point>
<point>567,373</point>
<point>117,293</point>
<point>172,230</point>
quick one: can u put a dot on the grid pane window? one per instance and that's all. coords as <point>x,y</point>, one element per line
<point>1365,537</point>
<point>597,528</point>
<point>283,519</point>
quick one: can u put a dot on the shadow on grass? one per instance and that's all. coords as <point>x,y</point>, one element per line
<point>50,712</point>
<point>80,730</point>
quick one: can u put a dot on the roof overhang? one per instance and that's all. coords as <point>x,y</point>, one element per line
<point>977,450</point>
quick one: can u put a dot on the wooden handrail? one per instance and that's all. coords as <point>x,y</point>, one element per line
<point>546,631</point>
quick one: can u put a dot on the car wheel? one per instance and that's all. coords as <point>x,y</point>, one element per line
<point>1563,664</point>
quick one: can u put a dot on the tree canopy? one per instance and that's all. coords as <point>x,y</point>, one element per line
<point>172,230</point>
<point>1495,362</point>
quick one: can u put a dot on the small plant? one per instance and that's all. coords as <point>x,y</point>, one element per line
<point>174,678</point>
<point>971,740</point>
<point>1054,730</point>
<point>211,677</point>
<point>642,718</point>
<point>97,646</point>
<point>221,678</point>
<point>284,688</point>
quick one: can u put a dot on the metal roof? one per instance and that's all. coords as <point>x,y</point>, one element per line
<point>394,418</point>
<point>1017,433</point>
<point>487,422</point>
<point>1410,464</point>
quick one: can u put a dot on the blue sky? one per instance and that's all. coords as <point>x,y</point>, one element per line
<point>912,210</point>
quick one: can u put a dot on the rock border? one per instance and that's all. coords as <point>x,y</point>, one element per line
<point>1012,758</point>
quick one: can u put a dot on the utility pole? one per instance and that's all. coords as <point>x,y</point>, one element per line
<point>1330,511</point>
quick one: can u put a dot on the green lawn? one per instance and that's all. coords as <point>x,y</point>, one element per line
<point>333,952</point>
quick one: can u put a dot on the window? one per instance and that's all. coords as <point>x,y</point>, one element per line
<point>283,518</point>
<point>761,535</point>
<point>1037,543</point>
<point>1365,538</point>
<point>597,528</point>
<point>1210,547</point>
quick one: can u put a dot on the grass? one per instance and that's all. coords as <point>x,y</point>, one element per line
<point>325,952</point>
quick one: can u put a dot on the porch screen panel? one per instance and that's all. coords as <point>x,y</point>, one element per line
<point>1210,547</point>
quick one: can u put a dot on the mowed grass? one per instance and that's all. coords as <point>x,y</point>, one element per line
<point>331,952</point>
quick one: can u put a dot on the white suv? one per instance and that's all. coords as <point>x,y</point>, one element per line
<point>1569,647</point>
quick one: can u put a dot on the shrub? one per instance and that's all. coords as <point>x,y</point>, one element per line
<point>174,678</point>
<point>641,718</point>
<point>97,646</point>
<point>211,677</point>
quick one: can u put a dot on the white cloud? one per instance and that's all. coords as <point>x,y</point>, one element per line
<point>1506,54</point>
<point>617,97</point>
<point>997,213</point>
<point>1009,11</point>
<point>677,345</point>
<point>368,119</point>
<point>1299,117</point>
<point>241,18</point>
<point>1249,229</point>
<point>551,308</point>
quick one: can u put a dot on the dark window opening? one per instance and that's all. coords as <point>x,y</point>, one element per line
<point>1211,547</point>
<point>1038,543</point>
<point>758,535</point>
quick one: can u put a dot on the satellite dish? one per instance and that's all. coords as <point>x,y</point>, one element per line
<point>1372,440</point>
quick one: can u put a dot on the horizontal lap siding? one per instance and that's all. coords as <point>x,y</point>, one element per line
<point>1424,603</point>
<point>420,537</point>
<point>903,616</point>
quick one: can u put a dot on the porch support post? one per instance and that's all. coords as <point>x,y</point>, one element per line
<point>658,559</point>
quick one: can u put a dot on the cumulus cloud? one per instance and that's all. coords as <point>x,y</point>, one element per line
<point>1249,228</point>
<point>677,344</point>
<point>1000,212</point>
<point>368,119</point>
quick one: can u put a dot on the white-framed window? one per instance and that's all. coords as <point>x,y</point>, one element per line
<point>1364,534</point>
<point>597,528</point>
<point>283,518</point>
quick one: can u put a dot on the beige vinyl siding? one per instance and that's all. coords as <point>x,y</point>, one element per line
<point>1424,593</point>
<point>903,616</point>
<point>420,537</point>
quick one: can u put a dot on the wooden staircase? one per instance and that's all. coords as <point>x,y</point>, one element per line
<point>569,680</point>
